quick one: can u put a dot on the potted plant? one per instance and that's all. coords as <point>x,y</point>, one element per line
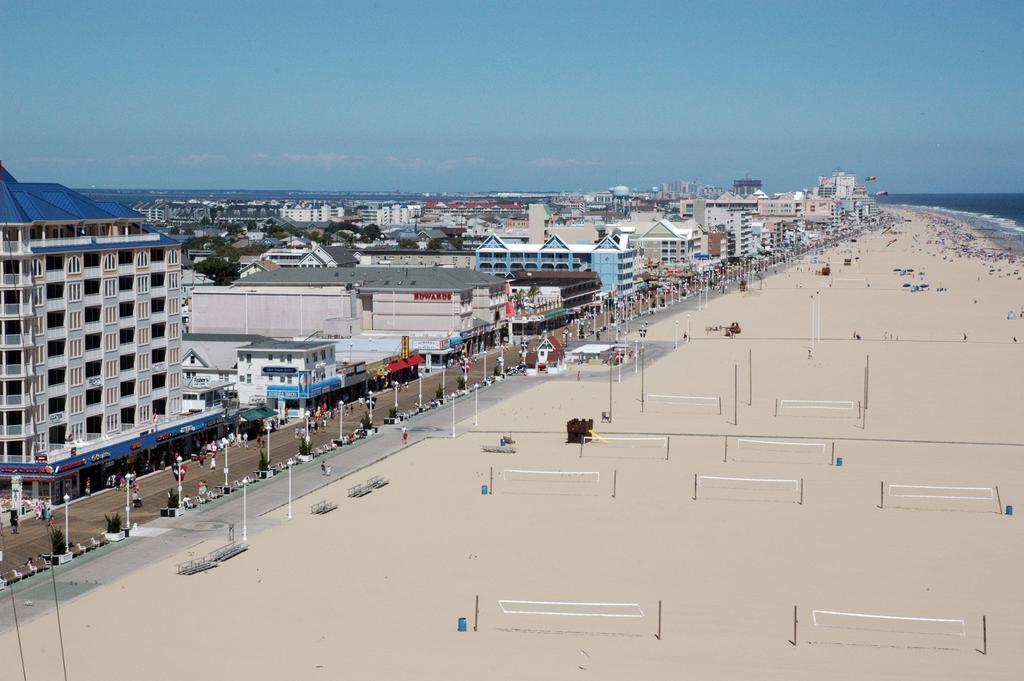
<point>392,416</point>
<point>367,423</point>
<point>114,531</point>
<point>304,452</point>
<point>59,553</point>
<point>439,394</point>
<point>265,471</point>
<point>462,383</point>
<point>171,510</point>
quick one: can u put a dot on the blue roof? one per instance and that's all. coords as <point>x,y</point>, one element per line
<point>23,202</point>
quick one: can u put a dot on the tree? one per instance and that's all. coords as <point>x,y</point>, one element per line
<point>533,292</point>
<point>407,244</point>
<point>434,245</point>
<point>372,233</point>
<point>221,270</point>
<point>456,243</point>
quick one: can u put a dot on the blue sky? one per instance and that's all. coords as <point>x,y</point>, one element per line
<point>450,96</point>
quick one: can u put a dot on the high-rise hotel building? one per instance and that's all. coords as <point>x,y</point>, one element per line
<point>90,336</point>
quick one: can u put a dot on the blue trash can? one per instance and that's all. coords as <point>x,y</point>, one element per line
<point>839,461</point>
<point>462,624</point>
<point>1009,509</point>
<point>483,490</point>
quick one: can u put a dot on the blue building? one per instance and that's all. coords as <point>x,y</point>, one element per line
<point>611,258</point>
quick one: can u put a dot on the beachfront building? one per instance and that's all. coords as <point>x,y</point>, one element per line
<point>611,258</point>
<point>452,307</point>
<point>549,300</point>
<point>287,377</point>
<point>670,244</point>
<point>90,329</point>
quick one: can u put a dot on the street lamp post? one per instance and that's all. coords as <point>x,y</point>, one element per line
<point>636,355</point>
<point>676,347</point>
<point>290,462</point>
<point>225,469</point>
<point>643,346</point>
<point>453,414</point>
<point>611,367</point>
<point>67,524</point>
<point>245,512</point>
<point>268,437</point>
<point>688,327</point>
<point>128,500</point>
<point>179,481</point>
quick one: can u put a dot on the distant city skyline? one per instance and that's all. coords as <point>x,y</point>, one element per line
<point>530,96</point>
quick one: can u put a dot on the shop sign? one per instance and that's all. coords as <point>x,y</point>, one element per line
<point>279,370</point>
<point>187,429</point>
<point>428,345</point>
<point>432,296</point>
<point>99,457</point>
<point>215,422</point>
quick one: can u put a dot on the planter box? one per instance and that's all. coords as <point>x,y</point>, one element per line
<point>267,474</point>
<point>59,559</point>
<point>389,421</point>
<point>226,489</point>
<point>171,512</point>
<point>115,536</point>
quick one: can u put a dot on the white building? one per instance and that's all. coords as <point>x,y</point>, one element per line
<point>286,375</point>
<point>311,212</point>
<point>838,185</point>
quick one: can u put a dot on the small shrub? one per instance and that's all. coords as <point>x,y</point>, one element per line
<point>367,422</point>
<point>439,393</point>
<point>462,382</point>
<point>58,542</point>
<point>113,523</point>
<point>172,498</point>
<point>265,459</point>
<point>393,412</point>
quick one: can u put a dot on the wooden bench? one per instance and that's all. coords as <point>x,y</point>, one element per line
<point>359,491</point>
<point>196,566</point>
<point>321,507</point>
<point>227,552</point>
<point>498,449</point>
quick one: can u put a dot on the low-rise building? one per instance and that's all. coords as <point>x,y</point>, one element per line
<point>288,377</point>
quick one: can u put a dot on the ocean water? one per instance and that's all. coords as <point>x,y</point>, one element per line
<point>999,213</point>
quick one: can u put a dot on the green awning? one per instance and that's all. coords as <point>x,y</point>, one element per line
<point>554,313</point>
<point>257,413</point>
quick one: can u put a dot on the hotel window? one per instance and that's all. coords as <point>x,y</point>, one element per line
<point>157,279</point>
<point>92,259</point>
<point>156,254</point>
<point>54,262</point>
<point>126,310</point>
<point>54,320</point>
<point>142,310</point>
<point>173,305</point>
<point>111,421</point>
<point>143,356</point>
<point>76,404</point>
<point>173,355</point>
<point>75,347</point>
<point>76,376</point>
<point>142,259</point>
<point>172,281</point>
<point>92,287</point>
<point>143,413</point>
<point>143,337</point>
<point>75,320</point>
<point>54,291</point>
<point>109,288</point>
<point>56,377</point>
<point>175,380</point>
<point>37,267</point>
<point>109,262</point>
<point>159,304</point>
<point>112,396</point>
<point>142,283</point>
<point>110,342</point>
<point>173,331</point>
<point>172,257</point>
<point>110,315</point>
<point>124,257</point>
<point>75,292</point>
<point>37,295</point>
<point>74,265</point>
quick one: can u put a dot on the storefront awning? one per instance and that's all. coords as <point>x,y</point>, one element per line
<point>257,413</point>
<point>415,360</point>
<point>397,365</point>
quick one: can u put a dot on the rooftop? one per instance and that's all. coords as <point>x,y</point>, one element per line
<point>453,278</point>
<point>288,345</point>
<point>27,202</point>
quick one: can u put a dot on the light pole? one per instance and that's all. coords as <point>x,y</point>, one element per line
<point>419,387</point>
<point>611,367</point>
<point>128,500</point>
<point>225,470</point>
<point>67,524</point>
<point>245,511</point>
<point>643,346</point>
<point>453,415</point>
<point>179,481</point>
<point>636,355</point>
<point>688,336</point>
<point>341,421</point>
<point>396,397</point>
<point>290,463</point>
<point>268,437</point>
<point>476,405</point>
<point>676,347</point>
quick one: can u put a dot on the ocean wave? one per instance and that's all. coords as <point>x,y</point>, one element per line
<point>983,221</point>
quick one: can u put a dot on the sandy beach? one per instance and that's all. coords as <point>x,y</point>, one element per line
<point>375,589</point>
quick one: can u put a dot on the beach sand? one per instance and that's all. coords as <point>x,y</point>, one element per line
<point>375,589</point>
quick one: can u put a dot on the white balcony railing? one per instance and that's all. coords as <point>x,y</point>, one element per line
<point>68,241</point>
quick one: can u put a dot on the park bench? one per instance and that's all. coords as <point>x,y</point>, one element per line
<point>376,482</point>
<point>498,449</point>
<point>227,552</point>
<point>359,491</point>
<point>321,507</point>
<point>93,543</point>
<point>196,566</point>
